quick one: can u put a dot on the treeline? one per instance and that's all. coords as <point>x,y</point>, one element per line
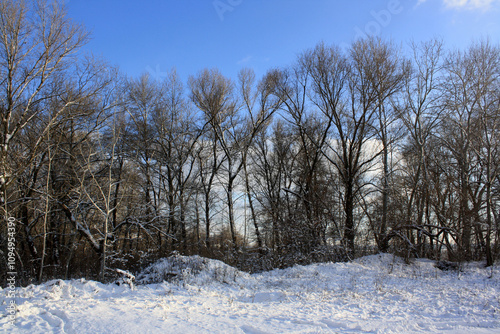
<point>343,153</point>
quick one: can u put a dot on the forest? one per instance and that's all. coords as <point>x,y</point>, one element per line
<point>390,147</point>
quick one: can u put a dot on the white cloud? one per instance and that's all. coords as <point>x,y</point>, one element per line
<point>419,2</point>
<point>244,60</point>
<point>455,3</point>
<point>467,4</point>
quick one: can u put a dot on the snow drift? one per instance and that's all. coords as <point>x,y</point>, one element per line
<point>374,294</point>
<point>193,270</point>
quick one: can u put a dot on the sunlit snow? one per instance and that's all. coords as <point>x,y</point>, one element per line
<point>374,294</point>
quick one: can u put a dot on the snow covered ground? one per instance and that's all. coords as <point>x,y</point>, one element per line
<point>374,294</point>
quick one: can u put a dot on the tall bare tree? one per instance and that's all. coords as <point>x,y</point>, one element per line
<point>421,114</point>
<point>37,43</point>
<point>44,83</point>
<point>387,73</point>
<point>342,90</point>
<point>212,93</point>
<point>177,142</point>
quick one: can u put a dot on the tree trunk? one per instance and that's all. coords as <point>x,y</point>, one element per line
<point>230,205</point>
<point>349,232</point>
<point>252,209</point>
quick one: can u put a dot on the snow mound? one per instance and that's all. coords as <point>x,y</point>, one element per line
<point>58,289</point>
<point>374,294</point>
<point>192,270</point>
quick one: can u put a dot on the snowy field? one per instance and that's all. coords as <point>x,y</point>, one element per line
<point>375,294</point>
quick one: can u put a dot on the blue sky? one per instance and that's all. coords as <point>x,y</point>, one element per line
<point>190,35</point>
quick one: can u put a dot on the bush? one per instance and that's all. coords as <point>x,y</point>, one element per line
<point>194,270</point>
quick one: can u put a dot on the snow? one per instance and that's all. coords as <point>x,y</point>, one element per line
<point>191,270</point>
<point>374,294</point>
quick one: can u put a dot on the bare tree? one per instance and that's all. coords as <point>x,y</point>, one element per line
<point>212,93</point>
<point>37,43</point>
<point>310,134</point>
<point>272,166</point>
<point>178,133</point>
<point>469,77</point>
<point>142,100</point>
<point>421,114</point>
<point>45,84</point>
<point>264,104</point>
<point>387,74</point>
<point>485,63</point>
<point>342,91</point>
<point>97,185</point>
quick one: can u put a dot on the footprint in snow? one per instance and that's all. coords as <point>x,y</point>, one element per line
<point>58,319</point>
